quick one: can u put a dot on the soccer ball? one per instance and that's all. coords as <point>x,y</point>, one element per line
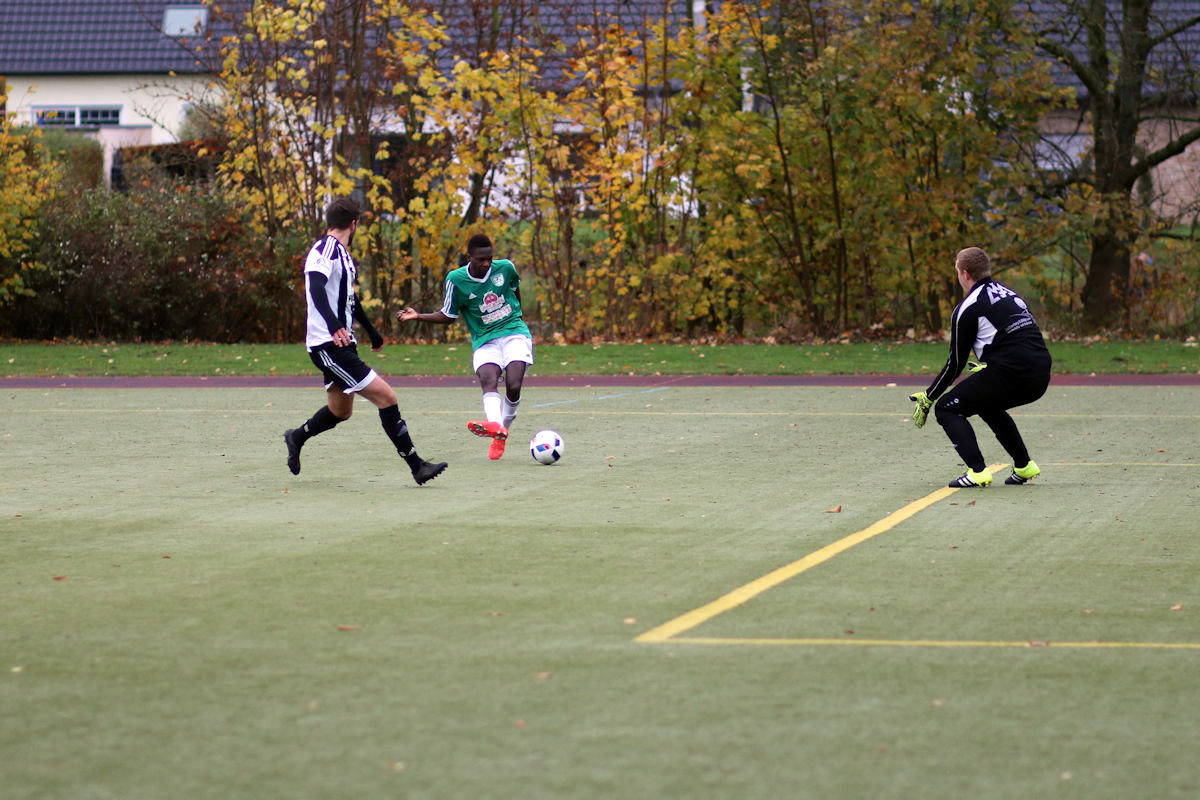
<point>546,447</point>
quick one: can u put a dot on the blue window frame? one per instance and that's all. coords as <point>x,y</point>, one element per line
<point>76,116</point>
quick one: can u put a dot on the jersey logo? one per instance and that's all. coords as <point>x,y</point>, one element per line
<point>493,308</point>
<point>491,301</point>
<point>996,292</point>
<point>497,280</point>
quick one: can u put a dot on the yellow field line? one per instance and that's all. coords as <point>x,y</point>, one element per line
<point>760,642</point>
<point>756,587</point>
<point>670,631</point>
<point>1117,464</point>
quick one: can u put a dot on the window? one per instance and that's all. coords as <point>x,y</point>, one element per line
<point>99,116</point>
<point>75,116</point>
<point>185,20</point>
<point>57,117</point>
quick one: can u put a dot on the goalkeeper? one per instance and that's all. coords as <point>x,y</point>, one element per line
<point>994,322</point>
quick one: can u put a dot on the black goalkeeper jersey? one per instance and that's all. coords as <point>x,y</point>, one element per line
<point>993,321</point>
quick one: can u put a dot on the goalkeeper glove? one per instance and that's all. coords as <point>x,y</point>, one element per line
<point>922,410</point>
<point>974,364</point>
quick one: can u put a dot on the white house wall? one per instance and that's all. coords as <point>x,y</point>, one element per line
<point>151,111</point>
<point>144,100</point>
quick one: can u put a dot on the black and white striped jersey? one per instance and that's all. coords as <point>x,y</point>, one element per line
<point>329,258</point>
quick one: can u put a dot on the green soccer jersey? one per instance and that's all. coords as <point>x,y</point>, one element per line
<point>488,305</point>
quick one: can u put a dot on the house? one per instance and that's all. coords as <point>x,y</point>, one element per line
<point>121,71</point>
<point>117,71</point>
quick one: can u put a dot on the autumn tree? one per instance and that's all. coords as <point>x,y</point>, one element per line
<point>306,88</point>
<point>27,182</point>
<point>854,146</point>
<point>774,164</point>
<point>1138,68</point>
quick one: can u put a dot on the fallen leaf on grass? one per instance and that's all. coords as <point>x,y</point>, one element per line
<point>348,627</point>
<point>520,724</point>
<point>834,510</point>
<point>630,621</point>
<point>60,577</point>
<point>1177,607</point>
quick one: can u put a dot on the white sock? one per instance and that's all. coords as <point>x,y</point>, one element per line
<point>491,406</point>
<point>509,409</point>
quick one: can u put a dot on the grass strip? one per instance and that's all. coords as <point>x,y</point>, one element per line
<point>32,359</point>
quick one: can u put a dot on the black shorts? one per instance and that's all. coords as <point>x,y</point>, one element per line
<point>993,389</point>
<point>342,367</point>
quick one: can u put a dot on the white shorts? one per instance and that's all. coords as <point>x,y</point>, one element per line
<point>503,351</point>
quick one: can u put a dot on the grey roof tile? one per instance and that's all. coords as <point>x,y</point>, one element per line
<point>125,36</point>
<point>39,37</point>
<point>1178,59</point>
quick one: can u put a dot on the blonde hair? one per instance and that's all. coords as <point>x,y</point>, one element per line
<point>974,262</point>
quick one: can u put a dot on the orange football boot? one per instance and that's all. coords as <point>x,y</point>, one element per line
<point>493,429</point>
<point>497,447</point>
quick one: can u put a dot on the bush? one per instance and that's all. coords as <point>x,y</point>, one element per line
<point>80,160</point>
<point>164,261</point>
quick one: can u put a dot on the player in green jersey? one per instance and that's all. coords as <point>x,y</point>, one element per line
<point>486,294</point>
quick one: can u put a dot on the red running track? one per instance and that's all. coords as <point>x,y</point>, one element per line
<point>579,381</point>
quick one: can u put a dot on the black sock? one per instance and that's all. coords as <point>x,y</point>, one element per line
<point>319,422</point>
<point>397,430</point>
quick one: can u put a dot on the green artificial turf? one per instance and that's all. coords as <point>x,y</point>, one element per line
<point>183,617</point>
<point>833,358</point>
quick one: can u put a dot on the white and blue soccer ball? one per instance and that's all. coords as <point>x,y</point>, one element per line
<point>546,447</point>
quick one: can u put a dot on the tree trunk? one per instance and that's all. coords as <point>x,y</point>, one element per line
<point>1108,275</point>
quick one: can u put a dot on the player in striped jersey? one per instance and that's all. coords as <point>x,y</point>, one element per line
<point>993,322</point>
<point>333,307</point>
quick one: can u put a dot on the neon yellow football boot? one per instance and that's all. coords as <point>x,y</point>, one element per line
<point>972,478</point>
<point>1023,474</point>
